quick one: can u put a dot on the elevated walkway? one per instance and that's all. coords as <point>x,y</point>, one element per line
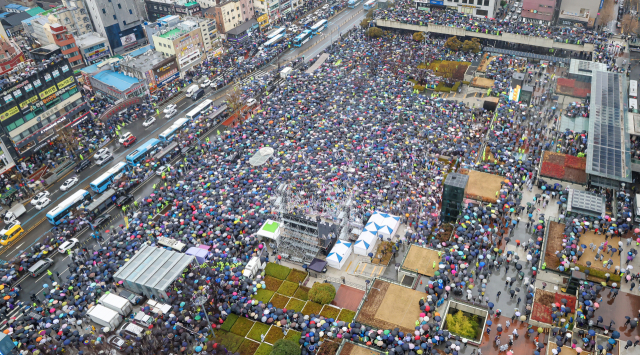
<point>318,63</point>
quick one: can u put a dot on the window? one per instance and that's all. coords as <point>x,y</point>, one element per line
<point>155,7</point>
<point>119,6</point>
<point>482,12</point>
<point>104,11</point>
<point>486,2</point>
<point>124,23</point>
<point>114,17</point>
<point>464,1</point>
<point>471,2</point>
<point>130,12</point>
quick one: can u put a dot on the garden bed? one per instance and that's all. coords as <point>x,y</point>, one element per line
<point>328,348</point>
<point>288,288</point>
<point>263,295</point>
<point>257,330</point>
<point>295,305</point>
<point>278,271</point>
<point>230,341</point>
<point>248,347</point>
<point>242,327</point>
<point>311,308</point>
<point>293,336</point>
<point>564,167</point>
<point>444,233</point>
<point>229,322</point>
<point>274,334</point>
<point>272,283</point>
<point>346,315</point>
<point>464,324</point>
<point>296,276</point>
<point>383,254</point>
<point>330,312</point>
<point>263,349</point>
<point>302,293</point>
<point>279,301</point>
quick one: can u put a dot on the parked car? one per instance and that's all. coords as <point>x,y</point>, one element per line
<point>68,183</point>
<point>149,121</point>
<point>124,137</point>
<point>68,245</point>
<point>43,203</point>
<point>123,200</point>
<point>83,165</point>
<point>129,141</point>
<point>40,196</point>
<point>98,222</point>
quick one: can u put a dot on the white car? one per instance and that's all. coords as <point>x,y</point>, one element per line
<point>124,137</point>
<point>40,196</point>
<point>170,114</point>
<point>170,108</point>
<point>43,203</point>
<point>251,102</point>
<point>9,226</point>
<point>68,184</point>
<point>293,28</point>
<point>149,121</point>
<point>68,245</point>
<point>102,152</point>
<point>326,6</point>
<point>163,169</point>
<point>205,84</point>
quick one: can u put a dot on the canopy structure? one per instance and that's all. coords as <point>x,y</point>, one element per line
<point>366,243</point>
<point>385,224</point>
<point>261,156</point>
<point>199,253</point>
<point>270,229</point>
<point>339,254</point>
<point>152,270</point>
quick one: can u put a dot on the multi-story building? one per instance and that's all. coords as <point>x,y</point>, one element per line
<point>480,8</point>
<point>535,11</point>
<point>34,101</point>
<point>161,8</point>
<point>183,41</point>
<point>151,28</point>
<point>67,43</point>
<point>120,22</point>
<point>10,56</point>
<point>93,47</point>
<point>11,25</point>
<point>231,13</point>
<point>152,68</point>
<point>25,3</point>
<point>72,15</point>
<point>210,38</point>
<point>108,79</point>
<point>16,8</point>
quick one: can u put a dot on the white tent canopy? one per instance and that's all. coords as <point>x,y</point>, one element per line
<point>365,243</point>
<point>339,254</point>
<point>270,229</point>
<point>380,226</point>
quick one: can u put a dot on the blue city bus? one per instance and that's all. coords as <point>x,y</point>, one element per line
<point>276,32</point>
<point>200,109</point>
<point>167,136</point>
<point>319,26</point>
<point>353,3</point>
<point>302,38</point>
<point>370,4</point>
<point>143,152</point>
<point>103,181</point>
<point>62,210</point>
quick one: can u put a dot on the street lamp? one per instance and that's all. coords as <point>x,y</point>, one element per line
<point>200,301</point>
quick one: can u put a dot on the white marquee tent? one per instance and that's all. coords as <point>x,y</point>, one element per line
<point>339,254</point>
<point>365,243</point>
<point>380,226</point>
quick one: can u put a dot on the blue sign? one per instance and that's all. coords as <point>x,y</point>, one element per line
<point>440,2</point>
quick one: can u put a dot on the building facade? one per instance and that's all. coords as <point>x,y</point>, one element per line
<point>151,28</point>
<point>67,43</point>
<point>161,8</point>
<point>534,11</point>
<point>34,104</point>
<point>109,79</point>
<point>151,68</point>
<point>119,22</point>
<point>480,8</point>
<point>210,38</point>
<point>11,56</point>
<point>184,42</point>
<point>232,13</point>
<point>93,47</point>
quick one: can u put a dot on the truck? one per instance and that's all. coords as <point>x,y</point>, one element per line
<point>253,267</point>
<point>13,213</point>
<point>116,303</point>
<point>105,317</point>
<point>285,72</point>
<point>192,89</point>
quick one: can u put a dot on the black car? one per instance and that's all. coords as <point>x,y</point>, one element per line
<point>123,200</point>
<point>83,165</point>
<point>98,222</point>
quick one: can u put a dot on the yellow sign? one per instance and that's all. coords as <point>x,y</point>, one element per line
<point>9,113</point>
<point>263,18</point>
<point>50,91</point>
<point>66,82</point>
<point>28,102</point>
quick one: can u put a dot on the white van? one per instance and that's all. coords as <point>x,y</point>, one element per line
<point>192,89</point>
<point>253,267</point>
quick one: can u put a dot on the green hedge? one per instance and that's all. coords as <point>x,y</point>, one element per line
<point>311,308</point>
<point>293,335</point>
<point>419,87</point>
<point>229,322</point>
<point>296,276</point>
<point>330,311</point>
<point>322,293</point>
<point>274,334</point>
<point>263,295</point>
<point>455,87</point>
<point>272,283</point>
<point>230,341</point>
<point>288,288</point>
<point>302,293</point>
<point>279,300</point>
<point>442,88</point>
<point>278,271</point>
<point>258,328</point>
<point>601,274</point>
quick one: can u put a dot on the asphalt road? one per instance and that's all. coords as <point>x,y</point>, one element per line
<point>34,219</point>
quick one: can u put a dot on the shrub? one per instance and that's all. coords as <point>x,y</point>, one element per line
<point>229,322</point>
<point>302,293</point>
<point>248,347</point>
<point>374,32</point>
<point>455,87</point>
<point>279,301</point>
<point>419,87</point>
<point>442,87</point>
<point>465,82</point>
<point>463,325</point>
<point>365,23</point>
<point>293,336</point>
<point>288,288</point>
<point>274,334</point>
<point>295,305</point>
<point>311,308</point>
<point>346,315</point>
<point>296,276</point>
<point>285,347</point>
<point>230,341</point>
<point>265,349</point>
<point>330,312</point>
<point>242,327</point>
<point>418,36</point>
<point>263,295</point>
<point>453,43</point>
<point>272,283</point>
<point>258,329</point>
<point>322,293</point>
<point>278,271</point>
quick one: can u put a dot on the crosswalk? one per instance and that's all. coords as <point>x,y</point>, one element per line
<point>257,75</point>
<point>15,313</point>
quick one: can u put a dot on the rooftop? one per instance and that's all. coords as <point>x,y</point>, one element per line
<point>579,9</point>
<point>144,62</point>
<point>538,9</point>
<point>16,7</point>
<point>140,51</point>
<point>44,50</point>
<point>117,80</point>
<point>89,39</point>
<point>34,11</point>
<point>585,67</point>
<point>15,19</point>
<point>171,33</point>
<point>242,28</point>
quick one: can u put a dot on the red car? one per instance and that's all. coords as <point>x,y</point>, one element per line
<point>129,141</point>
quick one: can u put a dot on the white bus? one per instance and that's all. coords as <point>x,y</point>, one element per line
<point>169,133</point>
<point>200,109</point>
<point>633,88</point>
<point>369,4</point>
<point>272,42</point>
<point>276,32</point>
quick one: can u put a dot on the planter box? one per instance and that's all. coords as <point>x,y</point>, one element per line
<point>482,314</point>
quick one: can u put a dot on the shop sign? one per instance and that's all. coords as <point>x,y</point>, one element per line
<point>66,82</point>
<point>65,68</point>
<point>56,73</point>
<point>48,92</point>
<point>47,77</point>
<point>26,103</point>
<point>9,113</point>
<point>37,83</point>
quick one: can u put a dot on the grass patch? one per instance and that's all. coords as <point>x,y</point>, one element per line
<point>242,327</point>
<point>293,335</point>
<point>278,271</point>
<point>295,305</point>
<point>601,274</point>
<point>288,288</point>
<point>296,276</point>
<point>248,347</point>
<point>272,283</point>
<point>279,301</point>
<point>229,322</point>
<point>258,328</point>
<point>346,315</point>
<point>275,334</point>
<point>302,293</point>
<point>263,349</point>
<point>311,308</point>
<point>229,340</point>
<point>330,312</point>
<point>263,295</point>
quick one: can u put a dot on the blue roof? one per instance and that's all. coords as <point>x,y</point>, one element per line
<point>90,69</point>
<point>4,14</point>
<point>117,80</point>
<point>139,51</point>
<point>16,7</point>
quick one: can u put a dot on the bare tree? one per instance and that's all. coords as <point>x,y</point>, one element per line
<point>606,14</point>
<point>234,99</point>
<point>629,24</point>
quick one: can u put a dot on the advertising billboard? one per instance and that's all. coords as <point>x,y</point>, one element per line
<point>128,40</point>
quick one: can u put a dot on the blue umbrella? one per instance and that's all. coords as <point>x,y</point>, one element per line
<point>489,322</point>
<point>615,334</point>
